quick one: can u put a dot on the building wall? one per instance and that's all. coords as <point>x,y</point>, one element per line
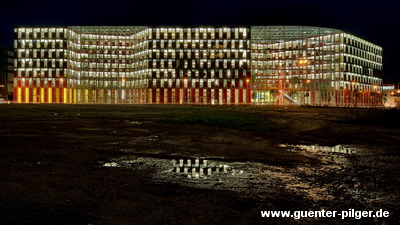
<point>108,64</point>
<point>391,97</point>
<point>6,73</point>
<point>40,62</point>
<point>159,65</point>
<point>314,66</point>
<point>201,65</point>
<point>279,65</point>
<point>363,72</point>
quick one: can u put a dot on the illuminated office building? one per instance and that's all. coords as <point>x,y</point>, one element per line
<point>278,65</point>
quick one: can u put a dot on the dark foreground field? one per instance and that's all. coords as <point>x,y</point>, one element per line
<point>112,164</point>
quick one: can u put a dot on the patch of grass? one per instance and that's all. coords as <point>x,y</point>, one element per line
<point>237,122</point>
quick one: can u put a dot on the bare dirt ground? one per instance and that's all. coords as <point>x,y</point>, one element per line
<point>113,164</point>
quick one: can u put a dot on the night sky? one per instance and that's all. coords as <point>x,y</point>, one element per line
<point>376,21</point>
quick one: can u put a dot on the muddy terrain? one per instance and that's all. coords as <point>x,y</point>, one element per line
<point>118,164</point>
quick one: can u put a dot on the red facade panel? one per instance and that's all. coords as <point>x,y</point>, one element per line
<point>169,95</point>
<point>224,96</point>
<point>233,96</point>
<point>241,96</point>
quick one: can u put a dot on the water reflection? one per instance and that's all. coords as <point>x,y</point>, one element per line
<point>191,168</point>
<point>111,164</point>
<point>198,168</point>
<point>337,148</point>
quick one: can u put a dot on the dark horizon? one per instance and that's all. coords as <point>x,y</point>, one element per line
<point>370,20</point>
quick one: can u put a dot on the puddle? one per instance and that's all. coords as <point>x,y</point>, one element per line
<point>340,175</point>
<point>191,168</point>
<point>112,164</point>
<point>249,178</point>
<point>151,138</point>
<point>134,122</point>
<point>337,148</point>
<point>314,181</point>
<point>199,168</point>
<point>137,163</point>
<point>200,173</point>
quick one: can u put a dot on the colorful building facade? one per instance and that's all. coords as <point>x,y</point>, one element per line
<point>278,65</point>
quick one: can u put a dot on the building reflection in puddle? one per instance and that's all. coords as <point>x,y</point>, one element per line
<point>337,148</point>
<point>198,168</point>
